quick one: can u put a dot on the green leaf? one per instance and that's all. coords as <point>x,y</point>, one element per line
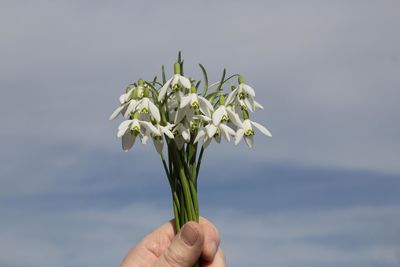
<point>197,85</point>
<point>179,57</point>
<point>164,80</point>
<point>222,80</point>
<point>203,70</point>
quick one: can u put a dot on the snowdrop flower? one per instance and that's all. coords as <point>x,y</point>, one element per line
<point>212,130</point>
<point>124,100</point>
<point>182,135</point>
<point>177,82</point>
<point>190,103</point>
<point>225,114</point>
<point>244,94</point>
<point>247,132</point>
<point>145,105</point>
<point>130,129</point>
<point>158,139</point>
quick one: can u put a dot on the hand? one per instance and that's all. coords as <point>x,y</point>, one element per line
<point>162,248</point>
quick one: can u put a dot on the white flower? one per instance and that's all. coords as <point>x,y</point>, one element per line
<point>124,101</point>
<point>213,131</point>
<point>223,113</point>
<point>145,105</point>
<point>130,129</point>
<point>247,132</point>
<point>244,94</point>
<point>158,139</point>
<point>182,134</point>
<point>177,81</point>
<point>191,102</point>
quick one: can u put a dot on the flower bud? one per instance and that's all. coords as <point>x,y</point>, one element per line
<point>140,82</point>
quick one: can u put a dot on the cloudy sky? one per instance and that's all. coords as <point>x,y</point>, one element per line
<point>324,191</point>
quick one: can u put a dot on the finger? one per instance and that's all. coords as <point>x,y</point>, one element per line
<point>211,240</point>
<point>185,248</point>
<point>219,260</point>
<point>151,247</point>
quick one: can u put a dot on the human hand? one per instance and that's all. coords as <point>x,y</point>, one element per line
<point>162,248</point>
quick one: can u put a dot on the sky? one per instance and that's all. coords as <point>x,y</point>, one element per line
<point>324,191</point>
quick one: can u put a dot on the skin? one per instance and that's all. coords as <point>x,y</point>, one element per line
<point>161,248</point>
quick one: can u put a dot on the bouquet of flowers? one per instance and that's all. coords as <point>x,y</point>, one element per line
<point>176,114</point>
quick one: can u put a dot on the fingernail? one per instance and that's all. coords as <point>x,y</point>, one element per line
<point>189,234</point>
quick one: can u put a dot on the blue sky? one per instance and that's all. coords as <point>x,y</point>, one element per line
<point>324,191</point>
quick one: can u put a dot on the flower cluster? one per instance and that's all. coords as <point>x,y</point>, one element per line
<point>175,112</point>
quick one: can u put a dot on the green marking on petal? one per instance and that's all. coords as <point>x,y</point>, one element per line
<point>144,110</point>
<point>176,87</point>
<point>225,117</point>
<point>249,132</point>
<point>135,130</point>
<point>242,95</point>
<point>195,105</point>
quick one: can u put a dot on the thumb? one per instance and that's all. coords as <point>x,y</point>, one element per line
<point>185,248</point>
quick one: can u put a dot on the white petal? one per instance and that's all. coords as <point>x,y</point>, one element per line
<point>211,130</point>
<point>122,99</point>
<point>116,112</point>
<point>180,114</point>
<point>200,134</point>
<point>158,144</point>
<point>249,90</point>
<point>258,105</point>
<point>234,117</point>
<point>131,107</point>
<point>217,115</point>
<point>247,125</point>
<point>154,111</point>
<point>202,99</point>
<point>124,125</point>
<point>249,140</point>
<point>204,108</point>
<point>150,126</point>
<point>231,97</point>
<point>202,117</point>
<point>239,136</point>
<point>186,135</point>
<point>185,82</point>
<point>227,131</point>
<point>144,139</point>
<point>175,79</point>
<point>185,100</point>
<point>163,90</point>
<point>127,141</point>
<point>167,132</point>
<point>207,141</point>
<point>249,104</point>
<point>262,129</point>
